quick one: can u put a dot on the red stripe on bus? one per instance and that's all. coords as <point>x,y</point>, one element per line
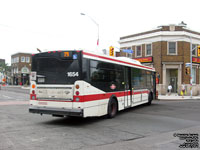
<point>95,97</point>
<point>102,57</point>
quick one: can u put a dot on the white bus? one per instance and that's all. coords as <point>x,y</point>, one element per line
<point>79,83</point>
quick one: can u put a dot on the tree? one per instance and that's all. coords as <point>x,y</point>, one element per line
<point>4,67</point>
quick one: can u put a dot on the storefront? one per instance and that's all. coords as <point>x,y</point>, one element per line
<point>167,49</point>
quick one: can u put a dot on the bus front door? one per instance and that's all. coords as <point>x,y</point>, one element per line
<point>128,91</point>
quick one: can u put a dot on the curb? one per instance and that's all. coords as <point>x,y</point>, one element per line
<point>177,99</point>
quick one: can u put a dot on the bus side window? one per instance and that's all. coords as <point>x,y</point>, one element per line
<point>85,68</point>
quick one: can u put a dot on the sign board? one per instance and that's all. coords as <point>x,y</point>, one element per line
<point>33,76</point>
<point>145,59</point>
<point>127,50</point>
<point>196,60</point>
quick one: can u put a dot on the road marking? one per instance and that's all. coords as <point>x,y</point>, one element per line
<point>14,103</point>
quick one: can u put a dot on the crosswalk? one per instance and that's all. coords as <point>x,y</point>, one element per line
<point>5,103</point>
<point>13,98</point>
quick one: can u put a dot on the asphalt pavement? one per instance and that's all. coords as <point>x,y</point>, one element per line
<point>140,128</point>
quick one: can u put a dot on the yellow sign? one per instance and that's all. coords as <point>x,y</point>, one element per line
<point>111,51</point>
<point>198,50</point>
<point>66,54</point>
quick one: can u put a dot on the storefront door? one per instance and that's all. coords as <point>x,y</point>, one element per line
<point>173,82</point>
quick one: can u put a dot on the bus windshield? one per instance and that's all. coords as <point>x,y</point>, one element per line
<point>55,70</point>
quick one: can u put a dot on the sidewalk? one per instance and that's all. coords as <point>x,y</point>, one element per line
<point>175,96</point>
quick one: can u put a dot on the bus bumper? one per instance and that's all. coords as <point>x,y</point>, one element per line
<point>56,111</point>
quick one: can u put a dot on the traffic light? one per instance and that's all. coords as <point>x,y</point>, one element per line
<point>198,50</point>
<point>111,51</point>
<point>187,70</point>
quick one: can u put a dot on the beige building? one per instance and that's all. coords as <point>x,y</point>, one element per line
<point>20,68</point>
<point>167,49</point>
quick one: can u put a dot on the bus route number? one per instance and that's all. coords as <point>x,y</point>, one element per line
<point>72,74</point>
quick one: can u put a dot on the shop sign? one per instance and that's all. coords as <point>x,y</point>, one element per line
<point>195,60</point>
<point>145,59</point>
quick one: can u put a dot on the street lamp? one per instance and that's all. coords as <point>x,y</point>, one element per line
<point>96,25</point>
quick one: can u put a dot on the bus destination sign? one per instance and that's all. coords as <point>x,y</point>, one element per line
<point>69,55</point>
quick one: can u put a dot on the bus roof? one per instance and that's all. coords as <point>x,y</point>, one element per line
<point>117,60</point>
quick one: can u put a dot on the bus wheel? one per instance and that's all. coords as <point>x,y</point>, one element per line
<point>112,108</point>
<point>150,98</point>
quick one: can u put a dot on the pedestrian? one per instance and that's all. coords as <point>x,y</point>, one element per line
<point>183,91</point>
<point>169,89</point>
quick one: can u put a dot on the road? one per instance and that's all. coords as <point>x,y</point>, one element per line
<point>143,127</point>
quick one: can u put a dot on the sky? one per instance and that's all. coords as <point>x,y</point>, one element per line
<point>26,25</point>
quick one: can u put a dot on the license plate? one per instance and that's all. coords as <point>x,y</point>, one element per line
<point>42,103</point>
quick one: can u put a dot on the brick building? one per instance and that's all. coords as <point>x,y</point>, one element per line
<point>2,61</point>
<point>20,68</point>
<point>167,49</point>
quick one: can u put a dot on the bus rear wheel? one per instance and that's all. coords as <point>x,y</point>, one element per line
<point>112,108</point>
<point>150,98</point>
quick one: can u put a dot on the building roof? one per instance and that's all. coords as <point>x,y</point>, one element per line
<point>18,53</point>
<point>162,28</point>
<point>162,33</point>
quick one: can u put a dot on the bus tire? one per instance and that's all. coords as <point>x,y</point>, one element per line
<point>150,98</point>
<point>112,108</point>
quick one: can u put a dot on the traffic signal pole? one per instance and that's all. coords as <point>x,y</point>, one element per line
<point>198,53</point>
<point>190,67</point>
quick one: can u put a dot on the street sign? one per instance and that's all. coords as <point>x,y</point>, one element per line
<point>187,64</point>
<point>127,50</point>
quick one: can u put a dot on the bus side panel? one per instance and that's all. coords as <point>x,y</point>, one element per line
<point>91,109</point>
<point>95,108</point>
<point>145,96</point>
<point>120,103</point>
<point>137,97</point>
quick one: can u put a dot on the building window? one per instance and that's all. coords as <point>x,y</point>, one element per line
<point>148,50</point>
<point>138,51</point>
<point>194,49</point>
<point>27,59</point>
<point>193,75</point>
<point>17,59</point>
<point>172,48</point>
<point>22,59</point>
<point>129,55</point>
<point>15,70</point>
<point>24,70</point>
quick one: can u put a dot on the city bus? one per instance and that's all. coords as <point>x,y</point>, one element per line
<point>86,84</point>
